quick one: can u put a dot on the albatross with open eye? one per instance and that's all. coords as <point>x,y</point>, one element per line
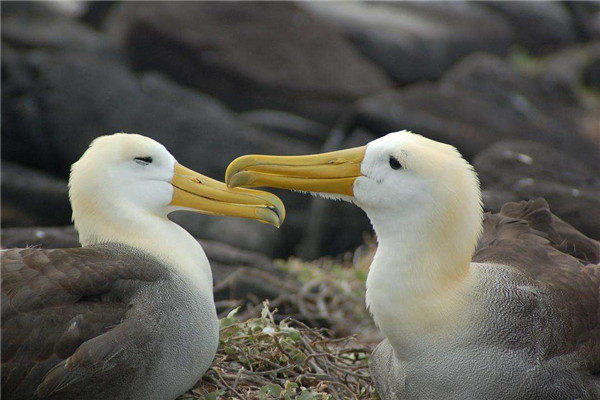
<point>130,315</point>
<point>503,306</point>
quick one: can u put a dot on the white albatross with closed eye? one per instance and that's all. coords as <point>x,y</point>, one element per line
<point>130,315</point>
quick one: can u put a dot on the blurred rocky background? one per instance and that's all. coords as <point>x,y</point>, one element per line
<point>514,86</point>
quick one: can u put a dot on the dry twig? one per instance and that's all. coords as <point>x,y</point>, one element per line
<point>262,358</point>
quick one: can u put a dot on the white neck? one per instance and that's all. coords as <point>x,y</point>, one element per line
<point>152,233</point>
<point>419,275</point>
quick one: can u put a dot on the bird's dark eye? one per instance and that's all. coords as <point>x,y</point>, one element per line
<point>143,160</point>
<point>394,163</point>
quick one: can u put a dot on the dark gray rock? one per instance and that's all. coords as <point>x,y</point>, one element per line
<point>57,104</point>
<point>31,197</point>
<point>248,54</point>
<point>332,228</point>
<point>431,110</point>
<point>530,99</point>
<point>95,12</point>
<point>286,123</point>
<point>242,233</point>
<point>414,41</point>
<point>577,69</point>
<point>37,25</point>
<point>240,274</point>
<point>44,237</point>
<point>481,101</point>
<point>540,26</point>
<point>575,66</point>
<point>520,170</point>
<point>40,9</point>
<point>591,75</point>
<point>489,75</point>
<point>587,17</point>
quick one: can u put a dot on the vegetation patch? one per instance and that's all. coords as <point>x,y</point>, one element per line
<point>262,358</point>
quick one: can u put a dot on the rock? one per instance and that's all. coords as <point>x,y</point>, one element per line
<point>414,41</point>
<point>587,17</point>
<point>225,254</point>
<point>57,104</point>
<point>31,197</point>
<point>332,228</point>
<point>241,274</point>
<point>591,75</point>
<point>242,233</point>
<point>95,12</point>
<point>26,8</point>
<point>40,26</point>
<point>44,237</point>
<point>432,110</point>
<point>248,55</point>
<point>539,26</point>
<point>575,66</point>
<point>481,101</point>
<point>529,97</point>
<point>288,124</point>
<point>521,170</point>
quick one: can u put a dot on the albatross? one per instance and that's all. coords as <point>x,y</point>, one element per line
<point>130,314</point>
<point>472,306</point>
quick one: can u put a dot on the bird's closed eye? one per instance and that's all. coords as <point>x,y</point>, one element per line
<point>143,160</point>
<point>394,163</point>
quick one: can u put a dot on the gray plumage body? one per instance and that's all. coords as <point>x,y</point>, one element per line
<point>99,322</point>
<point>532,326</point>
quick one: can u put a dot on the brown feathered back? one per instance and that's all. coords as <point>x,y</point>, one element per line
<point>66,304</point>
<point>528,237</point>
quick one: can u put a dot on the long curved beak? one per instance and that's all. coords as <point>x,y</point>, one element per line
<point>333,172</point>
<point>196,192</point>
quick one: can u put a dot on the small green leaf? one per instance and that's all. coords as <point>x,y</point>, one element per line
<point>275,389</point>
<point>233,312</point>
<point>256,325</point>
<point>227,322</point>
<point>291,385</point>
<point>230,319</point>
<point>271,389</point>
<point>307,395</point>
<point>292,333</point>
<point>214,395</point>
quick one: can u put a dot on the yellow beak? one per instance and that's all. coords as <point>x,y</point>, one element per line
<point>196,192</point>
<point>333,172</point>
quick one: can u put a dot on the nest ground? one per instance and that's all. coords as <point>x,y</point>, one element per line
<point>264,359</point>
<point>316,346</point>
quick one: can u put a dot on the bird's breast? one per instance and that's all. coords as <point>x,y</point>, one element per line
<point>187,330</point>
